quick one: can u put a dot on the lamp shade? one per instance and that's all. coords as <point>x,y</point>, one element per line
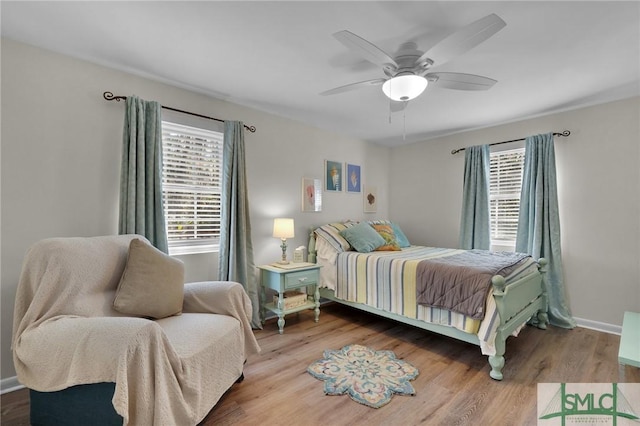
<point>404,87</point>
<point>283,228</point>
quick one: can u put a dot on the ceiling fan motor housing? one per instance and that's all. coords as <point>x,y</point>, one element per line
<point>407,61</point>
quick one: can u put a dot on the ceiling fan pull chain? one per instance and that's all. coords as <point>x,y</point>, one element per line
<point>404,125</point>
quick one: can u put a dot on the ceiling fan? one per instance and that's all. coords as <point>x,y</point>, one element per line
<point>408,72</point>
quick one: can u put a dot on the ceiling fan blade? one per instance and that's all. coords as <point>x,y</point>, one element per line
<point>464,39</point>
<point>366,49</point>
<point>459,81</point>
<point>397,106</point>
<point>353,86</point>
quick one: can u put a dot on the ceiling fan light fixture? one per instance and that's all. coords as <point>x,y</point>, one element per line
<point>404,87</point>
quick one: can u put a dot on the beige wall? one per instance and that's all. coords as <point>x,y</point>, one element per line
<point>60,157</point>
<point>61,147</point>
<point>599,196</point>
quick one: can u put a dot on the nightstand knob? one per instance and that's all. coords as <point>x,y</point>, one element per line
<point>303,279</point>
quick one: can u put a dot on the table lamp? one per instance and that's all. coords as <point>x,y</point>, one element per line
<point>283,229</point>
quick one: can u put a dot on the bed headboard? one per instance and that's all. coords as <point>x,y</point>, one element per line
<point>311,258</point>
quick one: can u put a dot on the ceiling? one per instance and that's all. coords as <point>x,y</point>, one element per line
<point>278,56</point>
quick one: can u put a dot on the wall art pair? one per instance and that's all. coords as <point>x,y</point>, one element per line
<point>338,178</point>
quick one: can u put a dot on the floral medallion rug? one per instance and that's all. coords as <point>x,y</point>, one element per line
<point>369,377</point>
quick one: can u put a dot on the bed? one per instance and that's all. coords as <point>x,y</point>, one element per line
<point>392,282</point>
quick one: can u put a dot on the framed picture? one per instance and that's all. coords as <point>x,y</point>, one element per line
<point>353,178</point>
<point>311,195</point>
<point>332,176</point>
<point>370,197</point>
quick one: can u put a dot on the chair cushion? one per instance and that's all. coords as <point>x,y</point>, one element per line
<point>210,348</point>
<point>152,284</point>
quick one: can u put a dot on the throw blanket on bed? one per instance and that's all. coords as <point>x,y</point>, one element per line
<point>461,282</point>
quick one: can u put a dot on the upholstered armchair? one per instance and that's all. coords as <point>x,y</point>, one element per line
<point>106,325</point>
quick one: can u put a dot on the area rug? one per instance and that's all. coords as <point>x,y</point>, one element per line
<point>369,377</point>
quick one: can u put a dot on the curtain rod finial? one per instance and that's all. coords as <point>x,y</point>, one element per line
<point>111,97</point>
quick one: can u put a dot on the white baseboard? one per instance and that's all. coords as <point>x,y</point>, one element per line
<point>10,384</point>
<point>599,326</point>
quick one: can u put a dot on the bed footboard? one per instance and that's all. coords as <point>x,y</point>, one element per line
<point>516,303</point>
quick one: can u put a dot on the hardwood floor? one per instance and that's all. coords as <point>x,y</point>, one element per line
<point>453,388</point>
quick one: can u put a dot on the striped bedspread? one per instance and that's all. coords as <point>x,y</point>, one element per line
<point>387,281</point>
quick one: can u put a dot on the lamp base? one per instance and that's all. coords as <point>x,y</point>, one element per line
<point>284,260</point>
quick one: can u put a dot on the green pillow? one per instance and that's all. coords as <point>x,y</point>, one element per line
<point>363,237</point>
<point>402,239</point>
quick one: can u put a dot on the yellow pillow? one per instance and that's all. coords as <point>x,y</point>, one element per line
<point>386,232</point>
<point>152,284</point>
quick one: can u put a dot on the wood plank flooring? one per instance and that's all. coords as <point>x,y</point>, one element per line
<point>453,388</point>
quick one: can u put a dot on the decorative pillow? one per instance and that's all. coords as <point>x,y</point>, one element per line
<point>379,222</point>
<point>402,239</point>
<point>363,237</point>
<point>152,285</point>
<point>331,233</point>
<point>386,232</point>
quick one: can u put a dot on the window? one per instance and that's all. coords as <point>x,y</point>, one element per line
<point>191,187</point>
<point>505,184</point>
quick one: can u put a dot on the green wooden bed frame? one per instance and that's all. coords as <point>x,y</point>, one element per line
<point>516,303</point>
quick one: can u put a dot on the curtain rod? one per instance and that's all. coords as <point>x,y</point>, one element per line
<point>110,97</point>
<point>564,133</point>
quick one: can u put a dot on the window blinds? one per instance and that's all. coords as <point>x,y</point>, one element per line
<point>191,184</point>
<point>505,184</point>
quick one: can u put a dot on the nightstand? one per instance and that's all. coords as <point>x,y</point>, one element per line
<point>286,278</point>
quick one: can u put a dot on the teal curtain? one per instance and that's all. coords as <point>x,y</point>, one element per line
<point>475,228</point>
<point>539,221</point>
<point>141,210</point>
<point>235,261</point>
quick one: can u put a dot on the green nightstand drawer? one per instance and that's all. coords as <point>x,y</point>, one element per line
<point>300,279</point>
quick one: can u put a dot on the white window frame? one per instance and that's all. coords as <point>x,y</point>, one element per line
<point>505,184</point>
<point>207,137</point>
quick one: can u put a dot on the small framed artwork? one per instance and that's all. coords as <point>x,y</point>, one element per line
<point>353,178</point>
<point>311,195</point>
<point>332,176</point>
<point>370,199</point>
